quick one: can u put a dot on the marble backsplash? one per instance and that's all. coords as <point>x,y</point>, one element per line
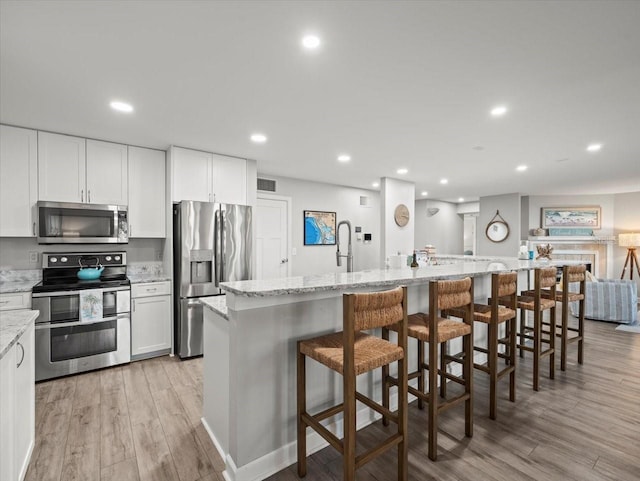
<point>151,268</point>
<point>20,275</point>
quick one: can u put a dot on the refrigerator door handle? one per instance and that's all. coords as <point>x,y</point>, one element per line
<point>222,253</point>
<point>216,247</point>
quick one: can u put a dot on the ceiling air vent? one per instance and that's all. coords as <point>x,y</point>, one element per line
<point>267,185</point>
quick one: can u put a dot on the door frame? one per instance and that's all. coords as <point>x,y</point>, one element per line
<point>288,200</point>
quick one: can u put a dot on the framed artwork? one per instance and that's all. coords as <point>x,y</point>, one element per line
<point>319,228</point>
<point>570,217</point>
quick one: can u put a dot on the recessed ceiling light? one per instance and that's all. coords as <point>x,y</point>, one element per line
<point>460,199</point>
<point>310,41</point>
<point>521,168</point>
<point>498,111</point>
<point>444,181</point>
<point>375,184</point>
<point>259,138</point>
<point>121,106</point>
<point>478,147</point>
<point>594,147</point>
<point>424,192</point>
<point>402,171</point>
<point>344,158</point>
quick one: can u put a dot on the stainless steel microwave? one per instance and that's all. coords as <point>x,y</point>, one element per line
<point>75,223</point>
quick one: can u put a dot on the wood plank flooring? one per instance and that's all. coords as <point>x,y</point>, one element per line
<point>142,422</point>
<point>136,422</point>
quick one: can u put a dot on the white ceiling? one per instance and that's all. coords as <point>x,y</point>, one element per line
<point>394,84</point>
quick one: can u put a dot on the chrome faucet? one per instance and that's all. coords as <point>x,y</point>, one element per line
<point>349,255</point>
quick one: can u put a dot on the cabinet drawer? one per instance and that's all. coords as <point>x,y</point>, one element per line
<point>148,289</point>
<point>17,300</point>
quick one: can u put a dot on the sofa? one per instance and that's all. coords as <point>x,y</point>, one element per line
<point>610,300</point>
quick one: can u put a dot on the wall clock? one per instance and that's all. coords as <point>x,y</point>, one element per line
<point>401,215</point>
<point>497,228</point>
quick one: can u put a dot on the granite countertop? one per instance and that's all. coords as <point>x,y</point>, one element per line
<point>141,278</point>
<point>9,287</point>
<point>217,304</point>
<point>12,325</point>
<point>467,266</point>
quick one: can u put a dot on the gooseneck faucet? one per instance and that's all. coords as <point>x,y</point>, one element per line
<point>349,255</point>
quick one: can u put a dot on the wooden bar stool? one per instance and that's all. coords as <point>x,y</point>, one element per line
<point>536,303</point>
<point>427,327</point>
<point>570,275</point>
<point>503,285</point>
<point>351,353</point>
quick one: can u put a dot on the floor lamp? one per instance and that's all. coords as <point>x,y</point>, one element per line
<point>630,241</point>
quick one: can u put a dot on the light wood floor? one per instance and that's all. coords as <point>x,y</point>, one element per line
<point>142,422</point>
<point>139,421</point>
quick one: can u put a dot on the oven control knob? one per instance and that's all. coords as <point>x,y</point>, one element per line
<point>108,258</point>
<point>53,259</point>
<point>117,258</point>
<point>63,259</point>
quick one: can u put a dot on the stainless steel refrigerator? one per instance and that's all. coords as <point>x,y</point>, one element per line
<point>212,243</point>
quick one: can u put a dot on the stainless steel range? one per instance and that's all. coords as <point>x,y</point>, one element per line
<point>68,340</point>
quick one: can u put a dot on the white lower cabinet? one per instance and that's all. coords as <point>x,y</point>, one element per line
<point>150,319</point>
<point>17,407</point>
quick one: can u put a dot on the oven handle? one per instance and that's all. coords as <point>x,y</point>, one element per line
<point>71,293</point>
<point>55,325</point>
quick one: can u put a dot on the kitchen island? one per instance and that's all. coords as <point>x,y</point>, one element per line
<point>249,396</point>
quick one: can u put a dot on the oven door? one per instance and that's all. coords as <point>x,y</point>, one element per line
<point>64,348</point>
<point>65,306</point>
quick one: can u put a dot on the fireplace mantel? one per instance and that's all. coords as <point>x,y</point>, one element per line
<point>597,250</point>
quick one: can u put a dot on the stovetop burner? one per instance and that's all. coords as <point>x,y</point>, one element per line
<point>60,271</point>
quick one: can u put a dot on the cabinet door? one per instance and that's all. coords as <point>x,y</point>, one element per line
<point>25,396</point>
<point>229,180</point>
<point>61,168</point>
<point>191,176</point>
<point>150,325</point>
<point>106,173</point>
<point>147,189</point>
<point>7,420</point>
<point>18,181</point>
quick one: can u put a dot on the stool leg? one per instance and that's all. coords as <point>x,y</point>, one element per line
<point>421,372</point>
<point>349,440</point>
<point>385,381</point>
<point>433,400</point>
<point>301,401</point>
<point>403,447</point>
<point>523,324</point>
<point>537,327</point>
<point>564,336</point>
<point>581,332</point>
<point>443,370</point>
<point>467,342</point>
<point>512,358</point>
<point>492,360</point>
<point>552,343</point>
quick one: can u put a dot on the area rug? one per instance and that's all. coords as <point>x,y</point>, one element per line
<point>629,327</point>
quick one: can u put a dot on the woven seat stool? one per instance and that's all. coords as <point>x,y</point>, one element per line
<point>351,353</point>
<point>570,275</point>
<point>435,330</point>
<point>503,285</point>
<point>537,304</point>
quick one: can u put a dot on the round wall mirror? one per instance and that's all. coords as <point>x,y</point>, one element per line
<point>497,229</point>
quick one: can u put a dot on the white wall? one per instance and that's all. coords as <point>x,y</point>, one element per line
<point>395,238</point>
<point>444,230</point>
<point>345,201</point>
<point>14,251</point>
<point>606,203</point>
<point>509,207</point>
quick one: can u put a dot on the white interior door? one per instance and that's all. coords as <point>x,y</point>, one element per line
<point>272,233</point>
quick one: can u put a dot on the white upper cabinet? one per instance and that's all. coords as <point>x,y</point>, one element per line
<point>229,180</point>
<point>191,175</point>
<point>106,173</point>
<point>18,181</point>
<point>61,168</point>
<point>207,177</point>
<point>146,193</point>
<point>71,169</point>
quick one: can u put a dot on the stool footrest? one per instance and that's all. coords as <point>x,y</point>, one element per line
<point>322,431</point>
<point>379,449</point>
<point>377,407</point>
